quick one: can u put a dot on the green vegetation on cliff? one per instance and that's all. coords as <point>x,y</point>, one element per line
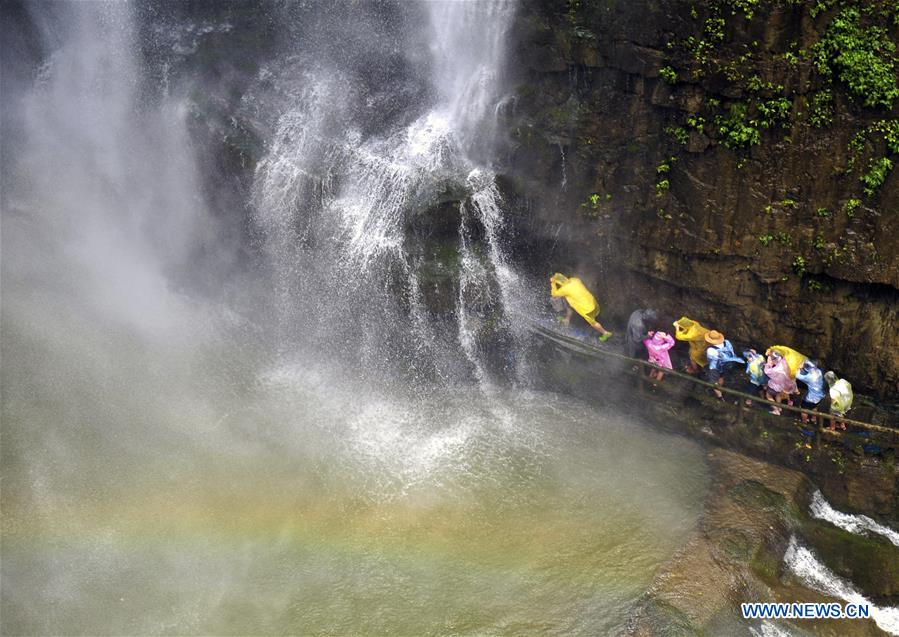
<point>854,55</point>
<point>863,57</point>
<point>776,217</point>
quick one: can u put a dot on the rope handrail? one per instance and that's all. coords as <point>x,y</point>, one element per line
<point>587,348</point>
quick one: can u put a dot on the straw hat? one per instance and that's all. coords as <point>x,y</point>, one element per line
<point>714,338</point>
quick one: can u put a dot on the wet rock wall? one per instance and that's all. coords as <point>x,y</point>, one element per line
<point>717,159</point>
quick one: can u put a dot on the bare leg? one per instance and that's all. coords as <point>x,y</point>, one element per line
<point>718,394</point>
<point>568,316</point>
<point>774,410</point>
<point>599,328</point>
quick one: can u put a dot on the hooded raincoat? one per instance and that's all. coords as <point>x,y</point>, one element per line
<point>637,326</point>
<point>779,378</point>
<point>578,296</point>
<point>794,359</point>
<point>694,333</point>
<point>840,397</point>
<point>658,346</point>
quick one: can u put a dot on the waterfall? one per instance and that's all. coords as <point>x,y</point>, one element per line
<point>103,190</point>
<point>812,573</point>
<point>822,510</point>
<point>203,431</point>
<point>335,201</point>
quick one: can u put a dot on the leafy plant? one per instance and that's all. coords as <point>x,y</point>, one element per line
<point>696,122</point>
<point>784,238</point>
<point>799,265</point>
<point>889,128</point>
<point>766,239</point>
<point>748,7</point>
<point>680,134</point>
<point>668,74</point>
<point>593,204</point>
<point>861,57</point>
<point>774,111</point>
<point>878,170</point>
<point>820,7</point>
<point>738,130</point>
<point>820,244</point>
<point>821,108</point>
<point>851,206</point>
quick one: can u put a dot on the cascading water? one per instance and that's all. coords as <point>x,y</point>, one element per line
<point>802,563</point>
<point>335,206</point>
<point>200,441</point>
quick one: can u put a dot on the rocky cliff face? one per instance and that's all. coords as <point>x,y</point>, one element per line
<point>730,160</point>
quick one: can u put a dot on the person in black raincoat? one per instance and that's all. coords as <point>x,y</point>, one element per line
<point>639,323</point>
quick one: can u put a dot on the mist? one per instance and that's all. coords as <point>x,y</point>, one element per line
<point>281,394</point>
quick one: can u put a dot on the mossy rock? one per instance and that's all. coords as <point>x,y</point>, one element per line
<point>870,562</point>
<point>736,544</point>
<point>767,564</point>
<point>755,495</point>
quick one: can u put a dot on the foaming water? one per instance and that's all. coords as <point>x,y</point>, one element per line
<point>821,509</point>
<point>334,200</point>
<point>769,629</point>
<point>812,573</point>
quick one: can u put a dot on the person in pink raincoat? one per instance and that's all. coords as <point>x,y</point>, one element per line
<point>780,383</point>
<point>658,345</point>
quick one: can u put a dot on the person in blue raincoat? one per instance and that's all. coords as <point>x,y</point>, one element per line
<point>720,354</point>
<point>813,377</point>
<point>755,374</point>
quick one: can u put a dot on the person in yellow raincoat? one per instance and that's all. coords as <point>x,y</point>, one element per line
<point>794,359</point>
<point>694,333</point>
<point>579,300</point>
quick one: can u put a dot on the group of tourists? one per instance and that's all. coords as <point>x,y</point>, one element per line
<point>772,375</point>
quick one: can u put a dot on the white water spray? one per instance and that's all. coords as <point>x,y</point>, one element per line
<point>803,563</point>
<point>821,509</point>
<point>335,202</point>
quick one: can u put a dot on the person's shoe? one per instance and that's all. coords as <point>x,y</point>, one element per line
<point>605,337</point>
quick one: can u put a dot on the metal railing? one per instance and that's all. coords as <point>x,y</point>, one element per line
<point>587,349</point>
